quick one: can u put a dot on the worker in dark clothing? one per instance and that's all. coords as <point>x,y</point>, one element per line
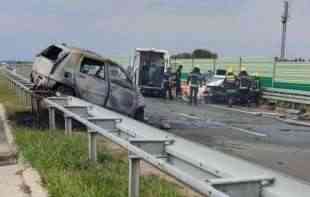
<point>178,81</point>
<point>243,73</point>
<point>194,81</point>
<point>168,83</point>
<point>230,85</point>
<point>244,86</point>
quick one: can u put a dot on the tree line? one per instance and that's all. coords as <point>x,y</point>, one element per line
<point>197,54</point>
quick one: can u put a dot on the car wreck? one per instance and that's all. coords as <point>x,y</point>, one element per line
<point>82,73</point>
<point>226,87</point>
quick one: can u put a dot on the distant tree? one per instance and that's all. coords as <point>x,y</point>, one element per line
<point>197,53</point>
<point>203,53</point>
<point>182,55</point>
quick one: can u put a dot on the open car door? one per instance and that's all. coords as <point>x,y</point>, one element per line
<point>92,82</point>
<point>123,96</point>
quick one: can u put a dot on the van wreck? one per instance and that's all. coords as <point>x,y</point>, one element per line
<point>87,75</point>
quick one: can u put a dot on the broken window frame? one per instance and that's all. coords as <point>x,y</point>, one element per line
<point>52,53</point>
<point>101,67</point>
<point>125,82</point>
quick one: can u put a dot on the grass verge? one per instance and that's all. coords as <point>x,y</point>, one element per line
<point>63,164</point>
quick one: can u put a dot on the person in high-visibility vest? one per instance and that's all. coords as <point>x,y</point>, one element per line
<point>230,85</point>
<point>230,79</point>
<point>194,80</point>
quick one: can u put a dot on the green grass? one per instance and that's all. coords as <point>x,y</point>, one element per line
<point>9,99</point>
<point>64,166</point>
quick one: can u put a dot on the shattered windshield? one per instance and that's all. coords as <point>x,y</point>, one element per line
<point>53,53</point>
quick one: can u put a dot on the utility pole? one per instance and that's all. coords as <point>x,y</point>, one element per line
<point>284,20</point>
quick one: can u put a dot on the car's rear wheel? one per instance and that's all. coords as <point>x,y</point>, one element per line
<point>139,115</point>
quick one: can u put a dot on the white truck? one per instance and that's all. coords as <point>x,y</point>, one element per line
<point>147,69</point>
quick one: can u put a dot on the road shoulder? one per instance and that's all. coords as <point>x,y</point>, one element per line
<point>18,179</point>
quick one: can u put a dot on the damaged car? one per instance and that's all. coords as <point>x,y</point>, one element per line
<point>82,73</point>
<point>228,88</point>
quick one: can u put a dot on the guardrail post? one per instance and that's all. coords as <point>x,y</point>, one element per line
<point>134,176</point>
<point>92,145</point>
<point>21,93</point>
<point>24,95</point>
<point>51,115</point>
<point>27,98</point>
<point>68,125</point>
<point>18,93</point>
<point>16,89</point>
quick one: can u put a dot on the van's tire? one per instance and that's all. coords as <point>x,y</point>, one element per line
<point>64,90</point>
<point>139,115</point>
<point>162,94</point>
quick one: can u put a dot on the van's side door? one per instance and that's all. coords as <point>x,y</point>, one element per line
<point>123,97</point>
<point>91,81</point>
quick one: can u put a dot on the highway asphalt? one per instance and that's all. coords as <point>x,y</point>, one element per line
<point>262,140</point>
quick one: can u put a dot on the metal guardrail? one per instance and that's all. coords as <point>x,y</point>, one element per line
<point>206,171</point>
<point>287,96</point>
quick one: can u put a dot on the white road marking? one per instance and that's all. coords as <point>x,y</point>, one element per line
<point>235,128</point>
<point>190,116</point>
<point>249,132</point>
<point>255,113</point>
<point>236,110</point>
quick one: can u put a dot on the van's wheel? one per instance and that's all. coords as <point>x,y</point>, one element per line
<point>62,90</point>
<point>139,115</point>
<point>162,94</point>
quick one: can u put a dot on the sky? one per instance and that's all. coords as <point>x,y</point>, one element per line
<point>232,28</point>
